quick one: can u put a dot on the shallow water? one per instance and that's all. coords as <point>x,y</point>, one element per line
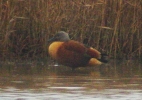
<point>40,81</point>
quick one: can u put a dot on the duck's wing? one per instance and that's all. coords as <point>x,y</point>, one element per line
<point>75,46</point>
<point>94,53</point>
<point>80,48</point>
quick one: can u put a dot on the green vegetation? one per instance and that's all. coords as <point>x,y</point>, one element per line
<point>111,26</point>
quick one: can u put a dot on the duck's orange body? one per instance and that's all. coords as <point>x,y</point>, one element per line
<point>73,54</point>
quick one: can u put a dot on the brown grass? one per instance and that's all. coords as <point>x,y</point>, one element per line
<point>112,26</point>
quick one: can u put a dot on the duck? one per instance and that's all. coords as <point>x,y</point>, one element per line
<point>72,53</point>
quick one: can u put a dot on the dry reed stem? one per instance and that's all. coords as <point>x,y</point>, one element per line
<point>111,26</point>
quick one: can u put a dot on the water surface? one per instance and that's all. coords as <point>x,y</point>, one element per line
<point>43,81</point>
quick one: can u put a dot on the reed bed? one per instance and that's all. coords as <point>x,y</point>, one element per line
<point>111,26</point>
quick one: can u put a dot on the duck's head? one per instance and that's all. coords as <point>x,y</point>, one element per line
<point>60,36</point>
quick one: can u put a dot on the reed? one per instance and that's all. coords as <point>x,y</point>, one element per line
<point>112,26</point>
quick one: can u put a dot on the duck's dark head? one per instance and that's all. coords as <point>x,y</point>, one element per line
<point>60,36</point>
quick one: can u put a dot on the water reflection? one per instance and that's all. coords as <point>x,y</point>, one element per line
<point>37,80</point>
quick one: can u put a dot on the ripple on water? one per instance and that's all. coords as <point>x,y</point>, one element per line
<point>59,84</point>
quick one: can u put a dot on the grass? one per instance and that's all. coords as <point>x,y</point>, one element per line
<point>111,26</point>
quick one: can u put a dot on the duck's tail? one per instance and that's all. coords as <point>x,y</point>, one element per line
<point>104,58</point>
<point>94,61</point>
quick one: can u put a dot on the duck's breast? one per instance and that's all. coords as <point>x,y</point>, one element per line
<point>53,48</point>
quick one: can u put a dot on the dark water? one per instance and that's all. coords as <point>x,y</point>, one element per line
<point>43,81</point>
